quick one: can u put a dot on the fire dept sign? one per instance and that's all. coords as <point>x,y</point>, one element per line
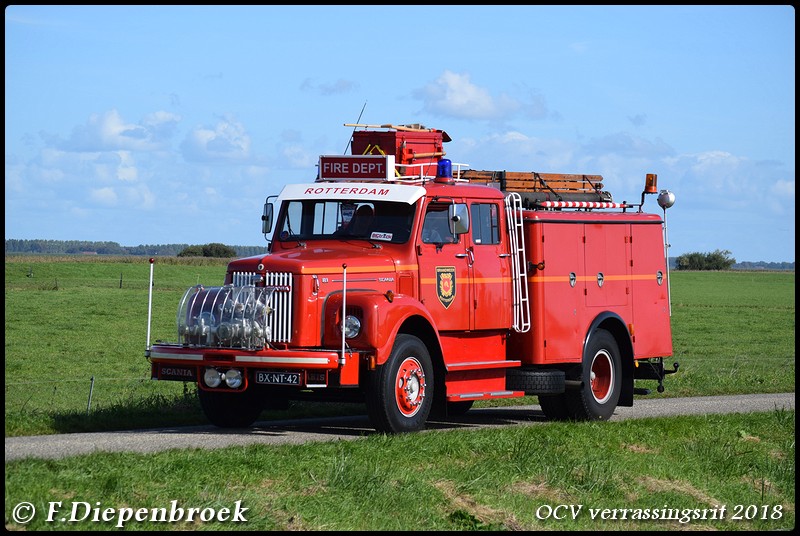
<point>446,284</point>
<point>356,168</point>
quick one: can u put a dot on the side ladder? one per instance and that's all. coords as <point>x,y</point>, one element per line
<point>522,308</point>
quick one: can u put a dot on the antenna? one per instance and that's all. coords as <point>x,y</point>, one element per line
<point>354,128</point>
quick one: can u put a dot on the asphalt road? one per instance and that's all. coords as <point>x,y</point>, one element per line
<point>353,427</point>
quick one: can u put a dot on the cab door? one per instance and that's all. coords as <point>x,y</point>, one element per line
<point>489,267</point>
<point>444,270</point>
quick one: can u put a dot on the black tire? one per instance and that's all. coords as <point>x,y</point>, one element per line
<point>535,382</point>
<point>445,409</point>
<point>457,409</point>
<point>276,404</point>
<point>275,399</point>
<point>601,374</point>
<point>230,410</point>
<point>555,407</point>
<point>400,392</point>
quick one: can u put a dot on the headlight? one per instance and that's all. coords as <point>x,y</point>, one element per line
<point>352,326</point>
<point>212,378</point>
<point>233,378</point>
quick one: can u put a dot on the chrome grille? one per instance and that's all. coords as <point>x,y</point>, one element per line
<point>239,315</point>
<point>279,323</point>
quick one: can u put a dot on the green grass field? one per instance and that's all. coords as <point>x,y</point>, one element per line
<point>68,321</point>
<point>76,331</point>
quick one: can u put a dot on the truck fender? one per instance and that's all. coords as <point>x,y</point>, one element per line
<point>383,318</point>
<point>614,323</point>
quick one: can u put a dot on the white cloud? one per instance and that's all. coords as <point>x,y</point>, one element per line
<point>226,141</point>
<point>79,213</point>
<point>783,188</point>
<point>104,196</point>
<point>139,196</point>
<point>297,156</point>
<point>718,170</point>
<point>47,174</point>
<point>454,95</point>
<point>126,170</point>
<point>161,124</point>
<point>109,132</point>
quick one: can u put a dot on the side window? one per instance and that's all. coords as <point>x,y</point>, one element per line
<point>485,223</point>
<point>435,228</point>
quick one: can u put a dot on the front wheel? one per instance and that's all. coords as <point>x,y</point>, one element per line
<point>444,409</point>
<point>597,398</point>
<point>400,393</point>
<point>230,410</point>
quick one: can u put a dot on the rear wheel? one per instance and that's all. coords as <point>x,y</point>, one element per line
<point>601,376</point>
<point>554,407</point>
<point>230,410</point>
<point>400,394</point>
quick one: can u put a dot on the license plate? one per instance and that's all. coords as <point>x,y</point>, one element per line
<point>278,378</point>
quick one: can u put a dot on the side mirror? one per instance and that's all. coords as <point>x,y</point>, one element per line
<point>266,218</point>
<point>458,218</point>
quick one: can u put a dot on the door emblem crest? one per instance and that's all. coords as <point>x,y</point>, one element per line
<point>446,284</point>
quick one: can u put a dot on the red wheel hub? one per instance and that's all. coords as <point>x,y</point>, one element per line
<point>602,377</point>
<point>409,387</point>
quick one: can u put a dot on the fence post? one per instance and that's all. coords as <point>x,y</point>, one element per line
<point>120,280</point>
<point>91,390</point>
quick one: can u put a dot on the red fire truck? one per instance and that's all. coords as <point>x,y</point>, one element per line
<point>415,285</point>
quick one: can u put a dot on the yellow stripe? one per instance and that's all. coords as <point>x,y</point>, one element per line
<point>484,280</point>
<point>565,278</point>
<point>481,280</point>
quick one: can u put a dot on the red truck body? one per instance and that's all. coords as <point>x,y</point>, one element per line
<point>417,289</point>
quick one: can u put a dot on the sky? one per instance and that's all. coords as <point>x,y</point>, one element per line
<point>148,125</point>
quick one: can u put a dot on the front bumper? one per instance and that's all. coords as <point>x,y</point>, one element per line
<point>307,368</point>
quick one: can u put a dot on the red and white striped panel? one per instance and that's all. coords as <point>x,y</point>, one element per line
<point>581,204</point>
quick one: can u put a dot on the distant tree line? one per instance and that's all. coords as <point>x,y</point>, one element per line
<point>716,260</point>
<point>82,247</point>
<point>214,249</point>
<point>761,265</point>
<point>722,260</point>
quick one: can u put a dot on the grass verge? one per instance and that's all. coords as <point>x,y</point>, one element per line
<point>716,472</point>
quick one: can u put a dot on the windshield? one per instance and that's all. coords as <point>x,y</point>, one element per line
<point>308,219</point>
